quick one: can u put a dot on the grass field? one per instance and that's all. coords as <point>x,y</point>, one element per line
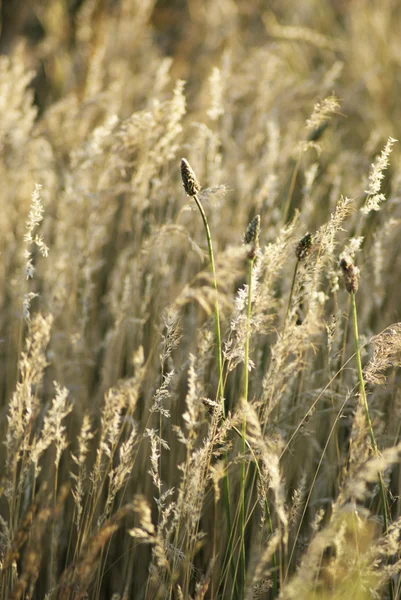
<point>200,249</point>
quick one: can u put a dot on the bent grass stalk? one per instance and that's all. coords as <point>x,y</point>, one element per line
<point>216,304</point>
<point>192,187</point>
<point>226,483</point>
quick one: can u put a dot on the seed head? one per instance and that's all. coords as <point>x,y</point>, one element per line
<point>350,275</point>
<point>303,247</point>
<point>189,181</point>
<point>252,236</point>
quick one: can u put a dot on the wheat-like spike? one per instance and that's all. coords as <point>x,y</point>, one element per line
<point>189,180</point>
<point>350,275</point>
<point>251,236</point>
<point>252,233</point>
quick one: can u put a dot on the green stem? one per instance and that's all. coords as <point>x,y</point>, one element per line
<point>226,483</point>
<point>216,304</point>
<point>245,399</point>
<point>248,321</point>
<point>368,419</point>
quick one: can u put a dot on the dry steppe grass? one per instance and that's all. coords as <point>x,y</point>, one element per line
<point>200,387</point>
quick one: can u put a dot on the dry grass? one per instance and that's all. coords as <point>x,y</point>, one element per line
<point>124,475</point>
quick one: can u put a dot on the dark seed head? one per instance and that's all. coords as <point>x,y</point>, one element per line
<point>251,236</point>
<point>252,233</point>
<point>189,181</point>
<point>350,275</point>
<point>303,247</point>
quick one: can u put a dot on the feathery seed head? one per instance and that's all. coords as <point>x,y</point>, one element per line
<point>322,112</point>
<point>252,236</point>
<point>303,247</point>
<point>375,197</point>
<point>189,180</point>
<point>350,274</point>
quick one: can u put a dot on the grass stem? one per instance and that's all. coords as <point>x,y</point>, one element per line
<point>362,391</point>
<point>226,482</point>
<point>245,400</point>
<point>216,304</point>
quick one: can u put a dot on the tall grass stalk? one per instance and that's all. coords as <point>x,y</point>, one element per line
<point>351,282</point>
<point>362,391</point>
<point>252,238</point>
<point>216,305</point>
<point>245,399</point>
<point>192,187</point>
<point>226,481</point>
<point>366,407</point>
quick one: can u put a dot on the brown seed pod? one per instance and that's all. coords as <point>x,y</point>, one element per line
<point>252,236</point>
<point>189,180</point>
<point>303,248</point>
<point>350,275</point>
